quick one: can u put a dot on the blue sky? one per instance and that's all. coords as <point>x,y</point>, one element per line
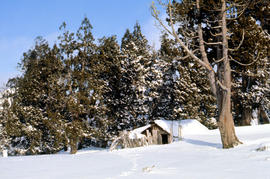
<point>21,21</point>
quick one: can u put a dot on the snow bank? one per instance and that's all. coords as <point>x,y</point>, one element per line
<point>136,133</point>
<point>190,126</point>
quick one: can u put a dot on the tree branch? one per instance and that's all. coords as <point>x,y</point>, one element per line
<point>215,35</point>
<point>222,86</point>
<point>218,61</point>
<point>217,27</point>
<point>187,56</point>
<point>213,43</point>
<point>182,43</point>
<point>211,75</point>
<point>204,62</point>
<point>183,58</point>
<point>240,44</point>
<point>155,14</point>
<point>239,13</point>
<point>248,64</point>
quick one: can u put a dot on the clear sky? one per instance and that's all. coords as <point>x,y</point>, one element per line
<point>21,21</point>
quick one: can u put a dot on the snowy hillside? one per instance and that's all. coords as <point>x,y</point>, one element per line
<point>199,155</point>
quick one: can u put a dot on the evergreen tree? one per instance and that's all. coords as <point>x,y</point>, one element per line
<point>250,63</point>
<point>185,87</point>
<point>109,71</point>
<point>4,116</point>
<point>135,67</point>
<point>35,100</point>
<point>154,81</point>
<point>83,88</point>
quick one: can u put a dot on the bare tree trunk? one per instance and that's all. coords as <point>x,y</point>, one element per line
<point>226,123</point>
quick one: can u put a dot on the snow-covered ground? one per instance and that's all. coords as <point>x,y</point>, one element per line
<point>199,155</point>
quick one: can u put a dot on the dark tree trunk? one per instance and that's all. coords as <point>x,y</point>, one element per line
<point>73,146</point>
<point>246,117</point>
<point>263,117</point>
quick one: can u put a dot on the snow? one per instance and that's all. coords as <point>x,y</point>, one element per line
<point>188,126</point>
<point>198,155</point>
<point>136,133</point>
<point>5,153</point>
<point>165,125</point>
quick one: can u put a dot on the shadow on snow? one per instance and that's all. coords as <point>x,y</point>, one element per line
<point>203,143</point>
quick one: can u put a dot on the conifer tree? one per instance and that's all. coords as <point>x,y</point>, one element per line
<point>250,63</point>
<point>4,117</point>
<point>187,83</point>
<point>154,81</point>
<point>83,112</point>
<point>135,67</point>
<point>109,71</point>
<point>35,99</point>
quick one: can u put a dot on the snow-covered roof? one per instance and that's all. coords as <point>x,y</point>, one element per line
<point>165,125</point>
<point>169,126</point>
<point>188,127</point>
<point>137,133</point>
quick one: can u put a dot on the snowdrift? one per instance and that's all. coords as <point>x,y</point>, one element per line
<point>190,126</point>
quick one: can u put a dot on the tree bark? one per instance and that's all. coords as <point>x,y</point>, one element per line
<point>226,123</point>
<point>263,116</point>
<point>73,146</point>
<point>246,117</point>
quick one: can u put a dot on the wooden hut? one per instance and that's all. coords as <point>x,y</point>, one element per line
<point>155,134</point>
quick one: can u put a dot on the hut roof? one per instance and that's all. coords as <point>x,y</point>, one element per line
<point>165,125</point>
<point>188,126</point>
<point>137,133</point>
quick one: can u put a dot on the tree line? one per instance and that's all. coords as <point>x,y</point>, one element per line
<point>82,92</point>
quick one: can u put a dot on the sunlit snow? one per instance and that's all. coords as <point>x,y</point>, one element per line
<point>198,155</point>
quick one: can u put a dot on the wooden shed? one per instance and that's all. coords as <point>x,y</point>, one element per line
<point>155,134</point>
